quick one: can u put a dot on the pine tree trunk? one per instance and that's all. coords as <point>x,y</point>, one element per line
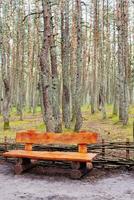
<point>46,78</point>
<point>115,73</point>
<point>78,100</point>
<point>123,54</point>
<point>94,97</point>
<point>7,91</point>
<point>55,79</point>
<point>5,49</point>
<point>65,63</point>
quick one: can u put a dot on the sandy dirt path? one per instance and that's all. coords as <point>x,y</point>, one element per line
<point>35,187</point>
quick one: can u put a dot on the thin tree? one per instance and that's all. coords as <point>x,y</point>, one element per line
<point>123,55</point>
<point>78,98</point>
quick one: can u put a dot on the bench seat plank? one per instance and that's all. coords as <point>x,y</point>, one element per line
<point>46,155</point>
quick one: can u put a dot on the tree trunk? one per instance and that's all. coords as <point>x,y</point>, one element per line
<point>55,79</point>
<point>65,63</point>
<point>78,96</point>
<point>46,78</point>
<point>5,70</point>
<point>123,54</point>
<point>94,96</point>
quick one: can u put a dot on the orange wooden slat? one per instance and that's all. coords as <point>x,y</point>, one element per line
<point>32,137</point>
<point>82,148</point>
<point>63,156</point>
<point>28,147</point>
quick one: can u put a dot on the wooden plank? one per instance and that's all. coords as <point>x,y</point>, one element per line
<point>28,147</point>
<point>82,148</point>
<point>33,137</point>
<point>64,156</point>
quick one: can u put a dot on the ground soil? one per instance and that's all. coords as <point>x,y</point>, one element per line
<point>99,184</point>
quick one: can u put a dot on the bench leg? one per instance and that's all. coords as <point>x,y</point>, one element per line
<point>78,165</point>
<point>23,165</point>
<point>89,165</point>
<point>80,169</point>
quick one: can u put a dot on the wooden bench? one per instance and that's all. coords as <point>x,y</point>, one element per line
<point>81,161</point>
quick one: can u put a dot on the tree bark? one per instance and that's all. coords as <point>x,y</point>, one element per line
<point>94,97</point>
<point>5,70</point>
<point>78,100</point>
<point>123,55</point>
<point>46,77</point>
<point>55,78</point>
<point>65,63</point>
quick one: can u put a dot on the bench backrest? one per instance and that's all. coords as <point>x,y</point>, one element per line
<point>81,139</point>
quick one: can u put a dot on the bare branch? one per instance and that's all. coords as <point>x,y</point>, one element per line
<point>34,13</point>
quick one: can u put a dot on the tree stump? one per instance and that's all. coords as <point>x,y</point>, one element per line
<point>75,174</point>
<point>80,169</point>
<point>23,165</point>
<point>89,165</point>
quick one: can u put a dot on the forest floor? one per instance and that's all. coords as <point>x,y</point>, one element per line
<point>99,184</point>
<point>110,129</point>
<point>106,184</point>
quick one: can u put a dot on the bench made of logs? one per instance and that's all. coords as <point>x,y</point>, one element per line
<point>81,161</point>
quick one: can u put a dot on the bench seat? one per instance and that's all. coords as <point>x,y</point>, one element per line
<point>46,155</point>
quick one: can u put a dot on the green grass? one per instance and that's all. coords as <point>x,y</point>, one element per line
<point>40,126</point>
<point>110,128</point>
<point>94,122</point>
